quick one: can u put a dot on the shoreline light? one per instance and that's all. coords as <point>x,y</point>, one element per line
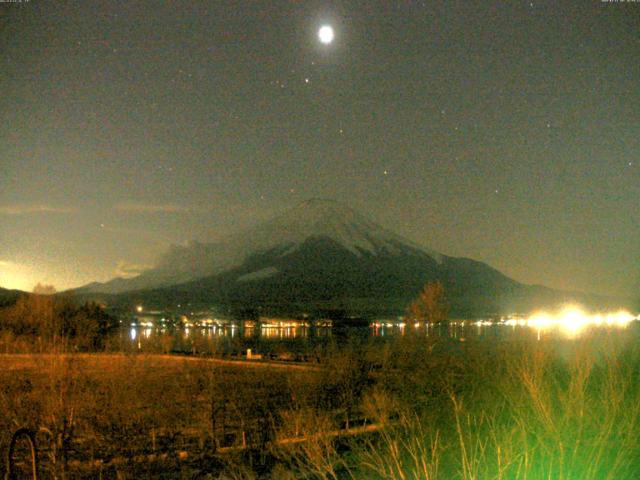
<point>572,320</point>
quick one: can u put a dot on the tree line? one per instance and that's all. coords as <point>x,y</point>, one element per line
<point>57,321</point>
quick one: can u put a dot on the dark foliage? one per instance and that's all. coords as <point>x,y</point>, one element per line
<point>58,321</point>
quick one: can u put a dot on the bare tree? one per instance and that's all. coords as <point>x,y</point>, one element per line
<point>430,306</point>
<point>41,289</point>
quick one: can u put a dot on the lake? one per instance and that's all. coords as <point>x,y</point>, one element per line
<point>299,341</point>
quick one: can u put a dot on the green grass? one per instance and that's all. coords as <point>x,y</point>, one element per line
<point>523,411</point>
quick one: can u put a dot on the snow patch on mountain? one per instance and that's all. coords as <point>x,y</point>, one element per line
<point>258,274</point>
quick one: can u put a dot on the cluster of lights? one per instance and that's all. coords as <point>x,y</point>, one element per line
<point>573,320</point>
<point>284,324</point>
<point>389,324</point>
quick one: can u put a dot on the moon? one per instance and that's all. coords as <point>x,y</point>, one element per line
<point>325,34</point>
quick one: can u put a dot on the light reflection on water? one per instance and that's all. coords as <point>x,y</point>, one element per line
<point>213,337</point>
<point>233,337</point>
<point>286,332</point>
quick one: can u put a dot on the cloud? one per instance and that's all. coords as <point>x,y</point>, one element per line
<point>24,209</point>
<point>156,238</point>
<point>128,270</point>
<point>129,207</point>
<point>11,264</point>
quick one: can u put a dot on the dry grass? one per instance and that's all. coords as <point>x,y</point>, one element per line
<point>450,410</point>
<point>106,406</point>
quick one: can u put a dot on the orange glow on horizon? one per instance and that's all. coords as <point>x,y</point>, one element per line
<point>15,276</point>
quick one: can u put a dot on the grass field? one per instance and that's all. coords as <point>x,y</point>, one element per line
<point>411,409</point>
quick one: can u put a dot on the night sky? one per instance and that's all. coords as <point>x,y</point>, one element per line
<point>508,132</point>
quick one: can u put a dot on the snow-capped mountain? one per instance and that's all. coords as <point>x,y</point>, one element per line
<point>285,233</point>
<point>322,255</point>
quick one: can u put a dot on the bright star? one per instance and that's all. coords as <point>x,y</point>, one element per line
<point>325,34</point>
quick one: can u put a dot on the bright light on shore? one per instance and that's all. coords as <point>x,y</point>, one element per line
<point>572,320</point>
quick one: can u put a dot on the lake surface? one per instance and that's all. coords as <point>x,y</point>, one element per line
<point>292,342</point>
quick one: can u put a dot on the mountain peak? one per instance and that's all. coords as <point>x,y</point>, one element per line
<point>329,219</point>
<point>310,220</point>
<point>323,205</point>
<point>318,209</point>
